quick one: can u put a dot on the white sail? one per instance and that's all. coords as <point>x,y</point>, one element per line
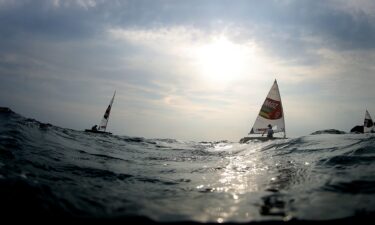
<point>270,113</point>
<point>368,125</point>
<point>104,122</point>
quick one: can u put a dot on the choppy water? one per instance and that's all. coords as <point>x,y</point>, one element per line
<point>47,171</point>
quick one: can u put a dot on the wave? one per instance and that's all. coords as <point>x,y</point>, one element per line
<point>51,171</point>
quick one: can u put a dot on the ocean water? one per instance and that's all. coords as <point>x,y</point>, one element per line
<point>52,172</point>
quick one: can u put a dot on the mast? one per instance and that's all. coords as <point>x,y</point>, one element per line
<point>365,122</point>
<point>282,110</point>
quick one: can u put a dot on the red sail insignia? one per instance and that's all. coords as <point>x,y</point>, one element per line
<point>106,114</point>
<point>271,109</point>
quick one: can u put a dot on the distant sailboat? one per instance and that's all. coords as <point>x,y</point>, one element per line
<point>272,114</point>
<point>103,124</point>
<point>368,125</point>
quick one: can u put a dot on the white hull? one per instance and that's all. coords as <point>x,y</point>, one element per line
<point>247,139</point>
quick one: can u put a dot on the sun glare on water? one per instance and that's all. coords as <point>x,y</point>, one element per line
<point>221,60</point>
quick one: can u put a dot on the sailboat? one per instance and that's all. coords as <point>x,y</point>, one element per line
<point>103,124</point>
<point>271,113</point>
<point>368,125</point>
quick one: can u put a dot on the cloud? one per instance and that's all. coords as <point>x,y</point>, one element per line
<point>165,60</point>
<point>86,4</point>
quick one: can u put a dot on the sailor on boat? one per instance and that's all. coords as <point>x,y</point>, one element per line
<point>94,128</point>
<point>269,131</point>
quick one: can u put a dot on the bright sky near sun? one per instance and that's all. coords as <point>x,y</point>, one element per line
<point>188,70</point>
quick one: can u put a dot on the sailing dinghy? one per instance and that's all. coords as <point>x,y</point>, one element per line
<point>368,125</point>
<point>104,122</point>
<point>271,113</point>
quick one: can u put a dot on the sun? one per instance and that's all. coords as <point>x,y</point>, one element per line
<point>220,60</point>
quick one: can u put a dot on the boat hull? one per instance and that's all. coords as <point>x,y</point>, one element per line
<point>97,131</point>
<point>246,139</point>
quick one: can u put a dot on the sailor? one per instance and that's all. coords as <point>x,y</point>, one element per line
<point>94,128</point>
<point>269,131</point>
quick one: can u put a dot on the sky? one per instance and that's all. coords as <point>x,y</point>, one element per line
<point>189,70</point>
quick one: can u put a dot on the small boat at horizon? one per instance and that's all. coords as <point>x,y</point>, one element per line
<point>368,124</point>
<point>367,127</point>
<point>103,124</point>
